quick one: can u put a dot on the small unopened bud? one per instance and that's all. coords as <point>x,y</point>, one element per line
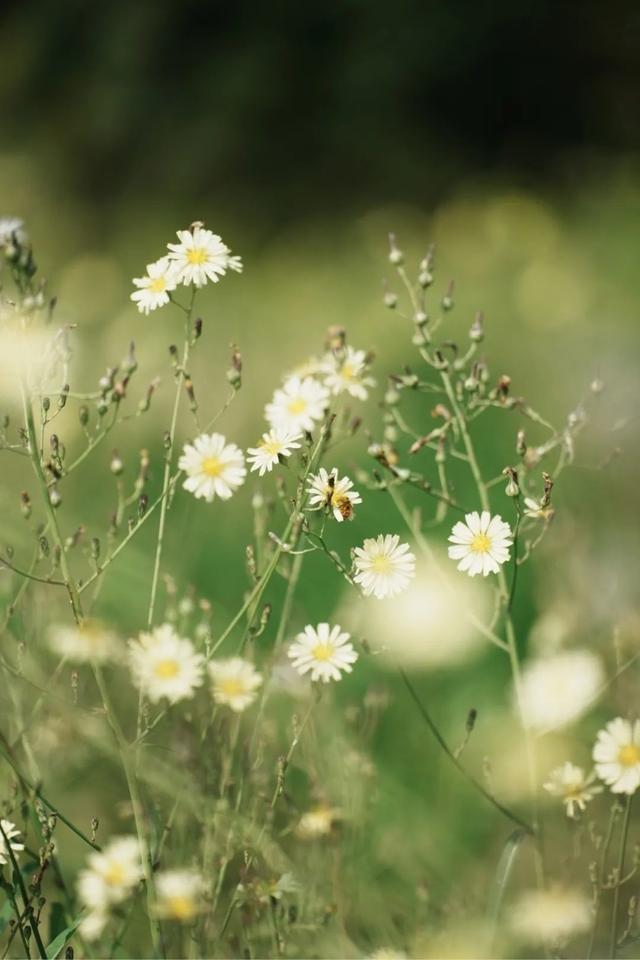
<point>447,300</point>
<point>46,404</point>
<point>95,548</point>
<point>513,487</point>
<point>251,562</point>
<point>420,318</point>
<point>130,364</point>
<point>391,397</point>
<point>173,355</point>
<point>476,333</point>
<point>472,716</point>
<point>521,443</point>
<point>95,823</point>
<point>55,498</point>
<point>234,373</point>
<point>145,403</point>
<point>116,465</point>
<point>336,338</point>
<point>504,383</point>
<point>471,384</point>
<point>197,328</point>
<point>63,396</point>
<point>102,406</point>
<point>83,415</point>
<point>390,300</point>
<point>425,279</point>
<point>548,487</point>
<point>143,503</point>
<point>596,386</point>
<point>188,385</point>
<point>25,504</point>
<point>396,256</point>
<point>54,443</point>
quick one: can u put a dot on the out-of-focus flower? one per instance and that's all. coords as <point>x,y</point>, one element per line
<point>318,822</point>
<point>89,642</point>
<point>617,755</point>
<point>384,566</point>
<point>92,924</point>
<point>327,490</point>
<point>536,510</point>
<point>11,833</point>
<point>154,288</point>
<point>201,256</point>
<point>481,544</point>
<point>550,916</point>
<point>298,405</point>
<point>274,444</point>
<point>214,467</point>
<point>323,650</point>
<point>179,894</point>
<point>234,682</point>
<point>574,788</point>
<point>10,228</point>
<point>165,665</point>
<point>110,875</point>
<point>347,372</point>
<point>557,690</point>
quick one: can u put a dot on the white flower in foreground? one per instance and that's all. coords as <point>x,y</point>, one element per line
<point>384,566</point>
<point>214,467</point>
<point>617,755</point>
<point>91,642</point>
<point>297,405</point>
<point>317,822</point>
<point>347,372</point>
<point>201,256</point>
<point>155,287</point>
<point>570,784</point>
<point>110,875</point>
<point>234,682</point>
<point>165,665</point>
<point>274,444</point>
<point>11,832</point>
<point>481,544</point>
<point>179,894</point>
<point>327,490</point>
<point>557,690</point>
<point>550,916</point>
<point>323,650</point>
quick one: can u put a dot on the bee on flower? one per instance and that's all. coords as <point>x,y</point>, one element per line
<point>214,467</point>
<point>328,490</point>
<point>179,894</point>
<point>201,256</point>
<point>481,543</point>
<point>165,665</point>
<point>346,372</point>
<point>275,444</point>
<point>234,682</point>
<point>617,755</point>
<point>323,651</point>
<point>155,287</point>
<point>298,405</point>
<point>574,788</point>
<point>9,840</point>
<point>384,566</point>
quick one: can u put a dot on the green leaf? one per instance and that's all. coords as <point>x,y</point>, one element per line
<point>60,942</point>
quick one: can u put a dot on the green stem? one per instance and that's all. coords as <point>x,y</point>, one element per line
<point>613,940</point>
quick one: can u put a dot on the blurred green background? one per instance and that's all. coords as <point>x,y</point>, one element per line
<point>505,133</point>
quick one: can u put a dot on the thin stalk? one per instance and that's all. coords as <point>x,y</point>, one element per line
<point>613,940</point>
<point>601,875</point>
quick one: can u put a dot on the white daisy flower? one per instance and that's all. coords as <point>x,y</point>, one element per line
<point>201,256</point>
<point>326,490</point>
<point>165,665</point>
<point>384,566</point>
<point>347,372</point>
<point>557,690</point>
<point>179,894</point>
<point>481,544</point>
<point>323,650</point>
<point>214,467</point>
<point>570,783</point>
<point>536,511</point>
<point>11,833</point>
<point>91,642</point>
<point>617,755</point>
<point>318,822</point>
<point>155,287</point>
<point>274,444</point>
<point>111,874</point>
<point>297,405</point>
<point>234,682</point>
<point>550,916</point>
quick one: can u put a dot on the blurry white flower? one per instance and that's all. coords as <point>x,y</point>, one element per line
<point>324,650</point>
<point>160,280</point>
<point>179,894</point>
<point>326,490</point>
<point>348,372</point>
<point>110,875</point>
<point>11,227</point>
<point>165,665</point>
<point>213,467</point>
<point>550,916</point>
<point>91,642</point>
<point>384,566</point>
<point>535,510</point>
<point>557,690</point>
<point>201,256</point>
<point>617,755</point>
<point>274,444</point>
<point>317,822</point>
<point>569,783</point>
<point>92,924</point>
<point>11,832</point>
<point>234,682</point>
<point>481,544</point>
<point>297,405</point>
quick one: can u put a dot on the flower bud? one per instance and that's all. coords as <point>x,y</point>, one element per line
<point>396,257</point>
<point>83,415</point>
<point>476,333</point>
<point>55,498</point>
<point>25,504</point>
<point>390,300</point>
<point>447,300</point>
<point>116,465</point>
<point>425,279</point>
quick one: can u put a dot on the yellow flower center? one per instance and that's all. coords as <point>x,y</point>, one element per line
<point>158,285</point>
<point>272,447</point>
<point>297,405</point>
<point>322,651</point>
<point>480,543</point>
<point>231,687</point>
<point>348,372</point>
<point>114,875</point>
<point>180,908</point>
<point>629,755</point>
<point>197,255</point>
<point>381,564</point>
<point>211,466</point>
<point>167,669</point>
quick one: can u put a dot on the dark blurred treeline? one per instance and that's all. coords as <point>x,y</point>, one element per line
<point>286,104</point>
